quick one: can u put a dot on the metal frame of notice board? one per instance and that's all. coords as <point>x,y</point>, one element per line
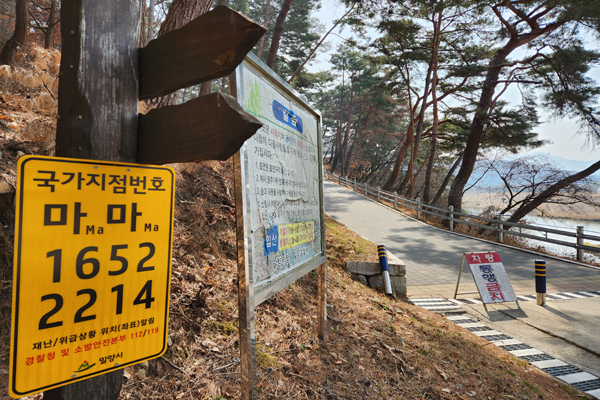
<point>512,296</point>
<point>284,118</point>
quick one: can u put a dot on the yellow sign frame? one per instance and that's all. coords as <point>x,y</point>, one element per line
<point>92,267</point>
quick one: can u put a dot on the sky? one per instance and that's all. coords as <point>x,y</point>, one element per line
<point>566,140</point>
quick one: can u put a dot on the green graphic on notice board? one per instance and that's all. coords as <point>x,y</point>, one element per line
<point>253,103</point>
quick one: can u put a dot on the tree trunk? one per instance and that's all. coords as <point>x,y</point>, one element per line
<point>350,154</point>
<point>18,38</point>
<point>477,125</point>
<point>150,31</point>
<point>434,128</point>
<point>517,39</point>
<point>362,135</point>
<point>442,188</point>
<point>287,4</point>
<point>180,13</point>
<point>420,123</point>
<point>50,26</point>
<point>338,134</point>
<point>526,208</point>
<point>401,153</point>
<point>405,180</point>
<point>347,134</point>
<point>225,78</point>
<point>261,46</point>
<point>410,131</point>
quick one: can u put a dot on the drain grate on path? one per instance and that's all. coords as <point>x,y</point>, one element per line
<point>479,328</point>
<point>537,357</point>
<point>464,321</point>
<point>564,370</point>
<point>514,347</point>
<point>495,338</point>
<point>587,385</point>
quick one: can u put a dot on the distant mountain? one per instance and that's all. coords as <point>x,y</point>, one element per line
<point>570,165</point>
<point>491,180</point>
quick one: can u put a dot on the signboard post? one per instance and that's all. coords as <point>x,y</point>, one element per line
<point>490,278</point>
<point>93,244</point>
<point>279,201</point>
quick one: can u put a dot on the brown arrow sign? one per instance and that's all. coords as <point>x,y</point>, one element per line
<point>209,47</point>
<point>211,127</point>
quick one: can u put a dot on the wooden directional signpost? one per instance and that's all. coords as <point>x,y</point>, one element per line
<point>101,271</point>
<point>279,202</point>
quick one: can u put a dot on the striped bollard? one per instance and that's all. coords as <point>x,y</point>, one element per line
<point>540,282</point>
<point>384,268</point>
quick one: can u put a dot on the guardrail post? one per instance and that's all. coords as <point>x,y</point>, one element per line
<point>366,188</point>
<point>579,243</point>
<point>340,179</point>
<point>395,200</point>
<point>451,224</point>
<point>500,229</point>
<point>378,194</point>
<point>418,208</point>
<point>355,184</point>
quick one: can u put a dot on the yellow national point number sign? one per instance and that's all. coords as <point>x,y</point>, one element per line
<point>93,243</point>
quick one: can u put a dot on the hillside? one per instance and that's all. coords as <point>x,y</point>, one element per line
<point>378,347</point>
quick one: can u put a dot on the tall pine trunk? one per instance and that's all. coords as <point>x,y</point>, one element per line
<point>277,32</point>
<point>517,39</point>
<point>420,123</point>
<point>261,45</point>
<point>434,129</point>
<point>50,26</point>
<point>18,38</point>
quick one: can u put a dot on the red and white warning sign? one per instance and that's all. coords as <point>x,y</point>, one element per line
<point>490,277</point>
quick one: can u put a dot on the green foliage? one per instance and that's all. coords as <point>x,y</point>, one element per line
<point>300,33</point>
<point>566,89</point>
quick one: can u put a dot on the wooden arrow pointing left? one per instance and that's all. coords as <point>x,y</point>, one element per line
<point>209,47</point>
<point>211,127</point>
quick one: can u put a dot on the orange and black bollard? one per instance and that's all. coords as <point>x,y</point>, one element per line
<point>540,281</point>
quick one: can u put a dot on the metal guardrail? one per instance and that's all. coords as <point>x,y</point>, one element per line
<point>449,214</point>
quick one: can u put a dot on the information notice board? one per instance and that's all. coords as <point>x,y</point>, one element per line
<point>279,203</point>
<point>282,175</point>
<point>92,269</point>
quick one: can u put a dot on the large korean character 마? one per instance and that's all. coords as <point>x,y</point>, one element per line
<point>56,215</point>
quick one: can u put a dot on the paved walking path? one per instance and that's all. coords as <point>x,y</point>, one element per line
<point>433,256</point>
<point>560,338</point>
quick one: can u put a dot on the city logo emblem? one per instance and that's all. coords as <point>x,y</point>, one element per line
<point>84,367</point>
